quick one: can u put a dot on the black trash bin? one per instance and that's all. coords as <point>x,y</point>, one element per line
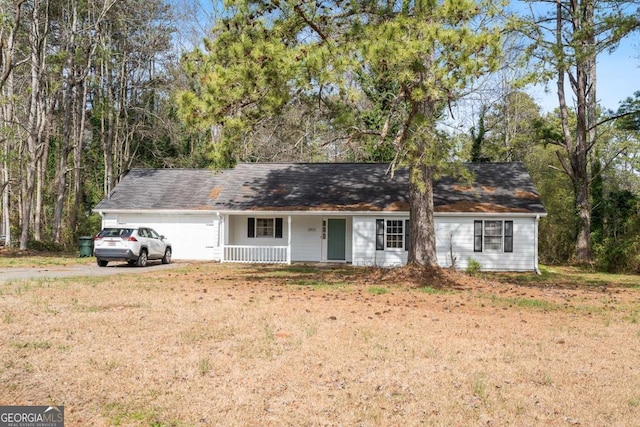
<point>85,245</point>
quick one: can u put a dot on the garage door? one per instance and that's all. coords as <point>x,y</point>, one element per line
<point>191,236</point>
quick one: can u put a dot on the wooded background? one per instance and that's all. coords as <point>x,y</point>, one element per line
<point>92,88</point>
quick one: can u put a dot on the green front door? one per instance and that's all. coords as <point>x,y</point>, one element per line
<point>336,239</point>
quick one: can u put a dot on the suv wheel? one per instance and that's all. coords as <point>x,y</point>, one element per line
<point>102,262</point>
<point>142,259</point>
<point>166,259</point>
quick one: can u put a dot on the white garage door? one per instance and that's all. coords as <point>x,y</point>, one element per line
<point>191,236</point>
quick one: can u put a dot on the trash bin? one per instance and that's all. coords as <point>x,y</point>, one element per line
<point>85,244</point>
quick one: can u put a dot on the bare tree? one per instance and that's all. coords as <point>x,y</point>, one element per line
<point>570,37</point>
<point>37,37</point>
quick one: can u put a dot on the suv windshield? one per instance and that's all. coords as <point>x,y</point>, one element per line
<point>116,232</point>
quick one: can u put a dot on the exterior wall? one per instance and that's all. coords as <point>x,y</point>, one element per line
<point>364,244</point>
<point>192,236</point>
<point>306,240</point>
<point>460,231</point>
<point>202,237</point>
<point>238,234</point>
<point>454,236</point>
<point>110,220</point>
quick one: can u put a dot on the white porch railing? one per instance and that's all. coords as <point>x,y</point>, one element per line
<point>256,254</point>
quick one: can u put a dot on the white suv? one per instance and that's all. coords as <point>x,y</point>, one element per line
<point>136,245</point>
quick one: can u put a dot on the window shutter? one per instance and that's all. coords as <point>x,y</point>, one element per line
<point>508,236</point>
<point>251,227</point>
<point>406,235</point>
<point>477,236</point>
<point>379,234</point>
<point>278,228</point>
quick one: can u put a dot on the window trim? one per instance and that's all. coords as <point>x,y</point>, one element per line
<point>252,228</point>
<point>381,236</point>
<point>479,236</point>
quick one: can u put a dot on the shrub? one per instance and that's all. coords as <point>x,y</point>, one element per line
<point>473,266</point>
<point>44,246</point>
<point>618,256</point>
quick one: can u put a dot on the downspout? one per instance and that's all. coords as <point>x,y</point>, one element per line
<point>537,270</point>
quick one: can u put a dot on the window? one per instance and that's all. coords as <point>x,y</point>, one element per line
<point>392,234</point>
<point>264,227</point>
<point>395,234</point>
<point>493,236</point>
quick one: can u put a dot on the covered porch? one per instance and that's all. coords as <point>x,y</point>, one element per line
<point>274,238</point>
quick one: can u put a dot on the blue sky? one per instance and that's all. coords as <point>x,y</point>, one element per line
<point>618,76</point>
<point>617,73</point>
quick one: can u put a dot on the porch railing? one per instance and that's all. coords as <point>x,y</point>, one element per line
<point>256,254</point>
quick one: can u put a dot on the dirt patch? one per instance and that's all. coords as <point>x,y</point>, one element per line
<point>212,344</point>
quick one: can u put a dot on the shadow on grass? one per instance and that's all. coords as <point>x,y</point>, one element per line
<point>340,275</point>
<point>569,278</point>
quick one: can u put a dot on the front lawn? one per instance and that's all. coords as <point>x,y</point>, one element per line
<point>213,344</point>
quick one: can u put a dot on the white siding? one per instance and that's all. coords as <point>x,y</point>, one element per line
<point>306,243</point>
<point>459,231</point>
<point>238,233</point>
<point>110,220</point>
<point>191,236</point>
<point>454,237</point>
<point>201,237</point>
<point>364,244</point>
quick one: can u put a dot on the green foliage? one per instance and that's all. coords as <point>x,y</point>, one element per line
<point>473,267</point>
<point>557,231</point>
<point>618,256</point>
<point>630,112</point>
<point>44,246</point>
<point>617,243</point>
<point>478,137</point>
<point>582,30</point>
<point>377,86</point>
<point>382,73</point>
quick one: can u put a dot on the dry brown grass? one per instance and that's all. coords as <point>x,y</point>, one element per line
<point>251,345</point>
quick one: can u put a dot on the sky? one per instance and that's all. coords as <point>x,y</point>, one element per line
<point>617,73</point>
<point>618,77</point>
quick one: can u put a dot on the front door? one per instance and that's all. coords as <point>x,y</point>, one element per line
<point>336,239</point>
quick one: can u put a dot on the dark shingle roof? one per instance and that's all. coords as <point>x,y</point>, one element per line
<point>497,187</point>
<point>170,189</point>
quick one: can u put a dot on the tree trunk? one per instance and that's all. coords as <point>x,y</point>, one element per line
<point>77,159</point>
<point>578,146</point>
<point>7,60</point>
<point>63,161</point>
<point>35,122</point>
<point>422,240</point>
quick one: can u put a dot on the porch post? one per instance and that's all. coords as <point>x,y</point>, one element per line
<point>223,236</point>
<point>289,240</point>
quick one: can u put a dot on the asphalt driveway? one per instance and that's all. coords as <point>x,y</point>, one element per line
<point>24,273</point>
